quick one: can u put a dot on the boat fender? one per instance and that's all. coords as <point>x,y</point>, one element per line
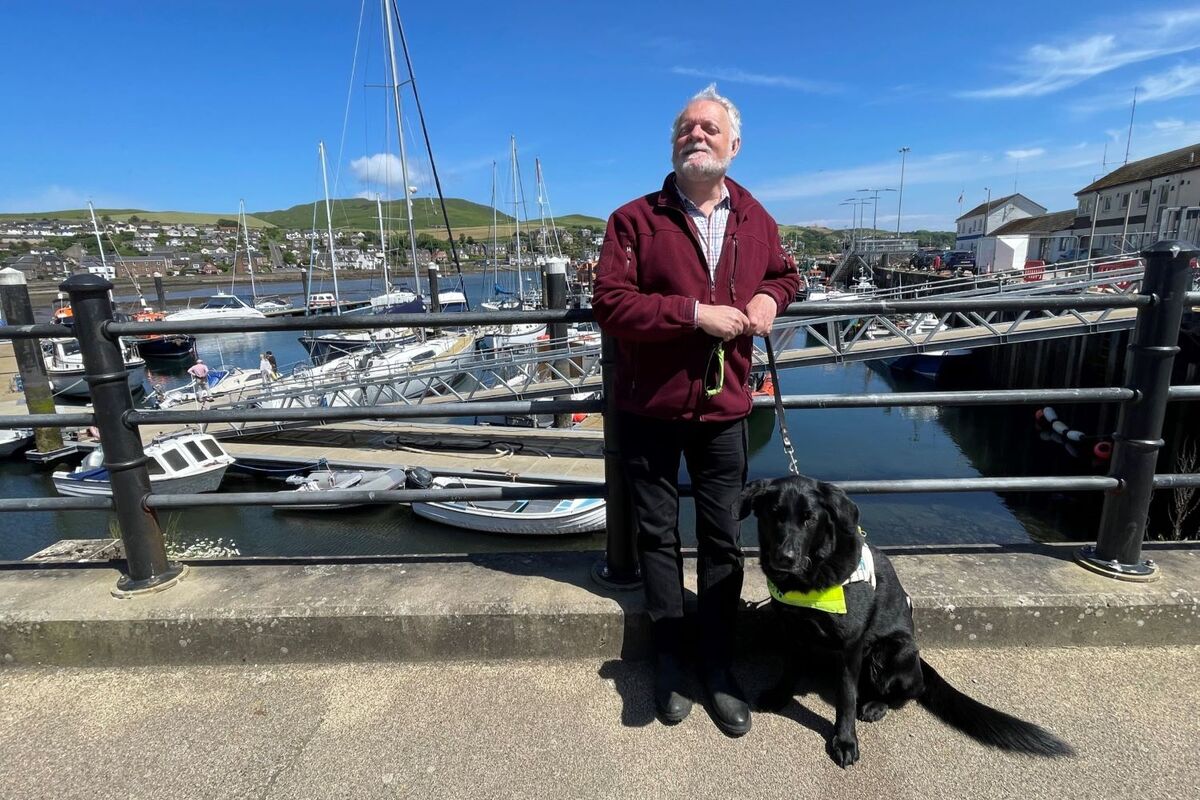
<point>578,417</point>
<point>1103,450</point>
<point>1049,414</point>
<point>1075,436</point>
<point>417,478</point>
<point>1059,426</point>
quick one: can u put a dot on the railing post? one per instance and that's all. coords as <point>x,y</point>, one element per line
<point>1153,345</point>
<point>431,273</point>
<point>148,569</point>
<point>556,298</point>
<point>18,310</point>
<point>619,570</point>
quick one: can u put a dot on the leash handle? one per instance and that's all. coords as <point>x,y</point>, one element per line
<point>779,410</point>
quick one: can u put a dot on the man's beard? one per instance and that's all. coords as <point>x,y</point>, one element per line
<point>705,169</point>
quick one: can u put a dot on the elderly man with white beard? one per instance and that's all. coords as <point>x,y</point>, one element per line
<point>687,276</point>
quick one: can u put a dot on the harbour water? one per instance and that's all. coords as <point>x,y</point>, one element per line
<point>831,444</point>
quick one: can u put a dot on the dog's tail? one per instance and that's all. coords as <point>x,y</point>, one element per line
<point>984,723</point>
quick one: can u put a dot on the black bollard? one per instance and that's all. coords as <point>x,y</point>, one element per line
<point>619,570</point>
<point>146,556</point>
<point>161,292</point>
<point>39,399</point>
<point>556,297</point>
<point>435,303</point>
<point>1153,345</point>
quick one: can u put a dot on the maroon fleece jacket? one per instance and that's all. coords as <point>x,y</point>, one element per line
<point>651,272</point>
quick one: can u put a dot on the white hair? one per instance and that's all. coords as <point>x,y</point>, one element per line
<point>710,93</point>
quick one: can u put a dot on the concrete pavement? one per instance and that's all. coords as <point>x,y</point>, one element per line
<point>579,729</point>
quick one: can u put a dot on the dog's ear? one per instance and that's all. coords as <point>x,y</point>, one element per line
<point>745,502</point>
<point>842,509</point>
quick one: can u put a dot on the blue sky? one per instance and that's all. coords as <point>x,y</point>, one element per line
<point>191,106</point>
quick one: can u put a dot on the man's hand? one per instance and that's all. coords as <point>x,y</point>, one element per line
<point>760,312</point>
<point>723,322</point>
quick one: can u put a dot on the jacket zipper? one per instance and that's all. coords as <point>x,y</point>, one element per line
<point>636,354</point>
<point>733,272</point>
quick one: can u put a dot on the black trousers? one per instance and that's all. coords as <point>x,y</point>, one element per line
<point>716,461</point>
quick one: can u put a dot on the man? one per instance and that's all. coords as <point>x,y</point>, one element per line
<point>199,373</point>
<point>687,276</point>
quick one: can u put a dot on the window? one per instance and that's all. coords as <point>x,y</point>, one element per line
<point>212,447</point>
<point>174,460</point>
<point>1162,193</point>
<point>1145,199</point>
<point>155,467</point>
<point>196,452</point>
<point>1125,200</point>
<point>1108,204</point>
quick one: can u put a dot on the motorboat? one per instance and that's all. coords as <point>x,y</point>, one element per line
<point>519,517</point>
<point>929,363</point>
<point>180,463</point>
<point>13,440</point>
<point>397,301</point>
<point>65,370</point>
<point>273,305</point>
<point>323,347</point>
<point>335,480</point>
<point>219,306</point>
<point>162,345</point>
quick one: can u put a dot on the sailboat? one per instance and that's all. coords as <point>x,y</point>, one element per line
<point>508,299</point>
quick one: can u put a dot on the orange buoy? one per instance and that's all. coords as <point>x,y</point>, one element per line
<point>578,417</point>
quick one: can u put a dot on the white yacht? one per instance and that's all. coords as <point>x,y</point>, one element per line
<point>219,306</point>
<point>64,367</point>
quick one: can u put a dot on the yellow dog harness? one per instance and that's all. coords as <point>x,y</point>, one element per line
<point>832,599</point>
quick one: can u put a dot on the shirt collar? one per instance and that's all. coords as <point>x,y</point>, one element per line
<point>689,205</point>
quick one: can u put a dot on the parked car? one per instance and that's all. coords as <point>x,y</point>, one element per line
<point>958,259</point>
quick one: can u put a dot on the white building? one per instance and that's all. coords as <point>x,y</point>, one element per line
<point>1045,237</point>
<point>1142,202</point>
<point>987,217</point>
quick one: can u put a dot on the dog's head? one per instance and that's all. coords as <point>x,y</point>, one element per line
<point>807,531</point>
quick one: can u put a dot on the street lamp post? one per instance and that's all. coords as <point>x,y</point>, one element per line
<point>900,199</point>
<point>875,212</point>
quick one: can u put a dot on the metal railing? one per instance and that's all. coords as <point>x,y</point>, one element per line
<point>1129,485</point>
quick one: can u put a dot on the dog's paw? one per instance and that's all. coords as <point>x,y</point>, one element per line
<point>844,751</point>
<point>774,699</point>
<point>872,711</point>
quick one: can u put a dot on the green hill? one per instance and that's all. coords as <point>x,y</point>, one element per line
<point>123,215</point>
<point>360,214</point>
<point>348,214</point>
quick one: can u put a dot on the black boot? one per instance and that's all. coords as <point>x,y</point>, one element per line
<point>730,710</point>
<point>720,600</point>
<point>670,700</point>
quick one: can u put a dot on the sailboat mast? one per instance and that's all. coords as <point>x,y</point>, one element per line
<point>495,234</point>
<point>412,236</point>
<point>387,281</point>
<point>244,228</point>
<point>517,220</point>
<point>543,191</point>
<point>99,244</point>
<point>337,298</point>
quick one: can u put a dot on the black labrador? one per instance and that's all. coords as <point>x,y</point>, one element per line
<point>811,546</point>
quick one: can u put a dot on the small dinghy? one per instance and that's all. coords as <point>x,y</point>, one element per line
<point>523,517</point>
<point>12,440</point>
<point>182,463</point>
<point>334,480</point>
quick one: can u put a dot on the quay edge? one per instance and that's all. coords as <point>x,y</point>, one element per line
<point>544,605</point>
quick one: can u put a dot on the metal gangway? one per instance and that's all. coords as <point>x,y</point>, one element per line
<point>571,366</point>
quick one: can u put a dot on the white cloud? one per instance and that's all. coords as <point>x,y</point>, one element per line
<point>1021,155</point>
<point>1167,124</point>
<point>741,76</point>
<point>1181,80</point>
<point>382,173</point>
<point>1046,68</point>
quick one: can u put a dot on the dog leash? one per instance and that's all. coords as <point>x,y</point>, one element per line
<point>779,412</point>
